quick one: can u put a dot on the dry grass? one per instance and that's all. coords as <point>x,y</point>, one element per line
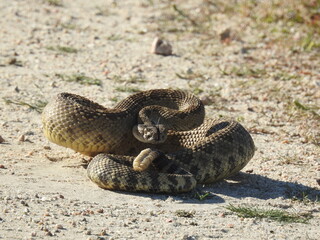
<point>279,52</point>
<point>79,78</point>
<point>37,105</point>
<point>276,15</point>
<point>271,214</point>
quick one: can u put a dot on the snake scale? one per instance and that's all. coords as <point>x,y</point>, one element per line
<point>153,141</point>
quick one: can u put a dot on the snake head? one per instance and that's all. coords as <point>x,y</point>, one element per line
<point>153,134</point>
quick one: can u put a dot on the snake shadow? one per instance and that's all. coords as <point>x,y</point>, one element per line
<point>241,185</point>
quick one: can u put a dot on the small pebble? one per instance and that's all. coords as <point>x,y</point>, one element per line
<point>206,100</point>
<point>59,226</point>
<point>103,232</point>
<point>100,210</point>
<point>24,203</point>
<point>222,215</point>
<point>1,139</point>
<point>22,138</point>
<point>161,47</point>
<point>225,36</point>
<point>48,233</point>
<point>29,154</point>
<point>12,61</point>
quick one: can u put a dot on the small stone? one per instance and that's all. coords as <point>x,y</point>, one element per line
<point>187,237</point>
<point>59,226</point>
<point>12,61</point>
<point>1,139</point>
<point>22,138</point>
<point>2,166</point>
<point>222,215</point>
<point>103,232</point>
<point>53,84</point>
<point>30,153</point>
<point>206,100</point>
<point>100,210</point>
<point>88,232</point>
<point>43,199</point>
<point>47,147</point>
<point>230,225</point>
<point>225,36</point>
<point>161,47</point>
<point>48,233</point>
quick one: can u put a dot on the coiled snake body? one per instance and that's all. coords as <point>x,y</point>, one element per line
<point>152,141</point>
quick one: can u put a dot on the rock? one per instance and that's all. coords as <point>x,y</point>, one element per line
<point>22,138</point>
<point>1,139</point>
<point>206,100</point>
<point>225,36</point>
<point>161,47</point>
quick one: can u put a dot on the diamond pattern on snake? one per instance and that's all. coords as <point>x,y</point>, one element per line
<point>155,141</point>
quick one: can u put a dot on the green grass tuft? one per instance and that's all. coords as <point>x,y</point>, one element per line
<point>310,43</point>
<point>37,105</point>
<point>201,196</point>
<point>274,215</point>
<point>63,49</point>
<point>114,37</point>
<point>127,89</point>
<point>303,107</point>
<point>80,78</point>
<point>56,3</point>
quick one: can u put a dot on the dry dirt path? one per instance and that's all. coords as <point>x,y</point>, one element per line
<point>100,49</point>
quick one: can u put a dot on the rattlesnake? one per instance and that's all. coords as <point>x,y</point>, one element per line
<point>152,141</point>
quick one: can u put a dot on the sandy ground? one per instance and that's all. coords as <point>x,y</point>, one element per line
<point>44,194</point>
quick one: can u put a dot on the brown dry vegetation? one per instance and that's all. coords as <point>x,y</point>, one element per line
<point>275,54</point>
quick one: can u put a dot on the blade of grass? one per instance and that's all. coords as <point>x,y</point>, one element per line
<point>275,215</point>
<point>80,78</point>
<point>181,13</point>
<point>37,106</point>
